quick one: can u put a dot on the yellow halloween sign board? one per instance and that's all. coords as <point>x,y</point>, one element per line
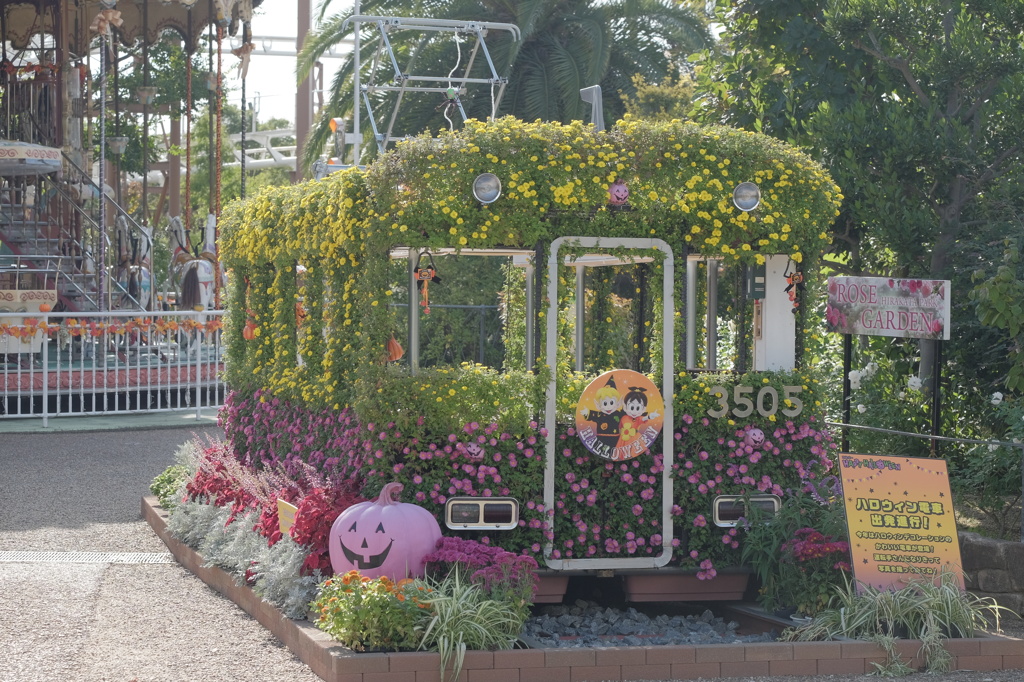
<point>285,516</point>
<point>899,512</point>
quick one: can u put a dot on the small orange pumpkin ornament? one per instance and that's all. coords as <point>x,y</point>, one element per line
<point>44,307</point>
<point>249,330</point>
<point>395,350</point>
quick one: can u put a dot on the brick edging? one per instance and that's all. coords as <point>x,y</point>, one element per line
<point>335,663</point>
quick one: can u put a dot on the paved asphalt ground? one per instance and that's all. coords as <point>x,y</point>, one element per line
<point>66,490</point>
<point>70,491</point>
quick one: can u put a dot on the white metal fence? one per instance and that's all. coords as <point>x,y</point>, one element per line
<point>75,364</point>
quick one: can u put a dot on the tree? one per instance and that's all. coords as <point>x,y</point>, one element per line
<point>915,106</point>
<point>204,184</point>
<point>566,45</point>
<point>670,99</point>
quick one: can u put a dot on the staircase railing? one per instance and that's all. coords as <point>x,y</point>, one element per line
<point>136,231</point>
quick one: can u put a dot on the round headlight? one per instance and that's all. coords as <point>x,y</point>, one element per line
<point>746,196</point>
<point>487,188</point>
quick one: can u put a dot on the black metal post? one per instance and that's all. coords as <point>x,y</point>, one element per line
<point>641,314</point>
<point>741,324</point>
<point>936,396</point>
<point>844,443</point>
<point>539,268</point>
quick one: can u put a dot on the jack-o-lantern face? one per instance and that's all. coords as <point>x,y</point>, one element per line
<point>362,559</point>
<point>754,437</point>
<point>618,193</point>
<point>383,538</point>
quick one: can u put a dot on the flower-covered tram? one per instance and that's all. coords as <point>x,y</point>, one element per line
<point>650,382</point>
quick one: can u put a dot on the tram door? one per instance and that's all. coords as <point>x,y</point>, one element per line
<point>616,422</point>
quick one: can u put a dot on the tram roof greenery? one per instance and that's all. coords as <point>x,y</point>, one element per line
<point>555,182</point>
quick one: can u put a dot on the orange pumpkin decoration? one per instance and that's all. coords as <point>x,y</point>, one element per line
<point>249,330</point>
<point>395,350</point>
<point>44,307</point>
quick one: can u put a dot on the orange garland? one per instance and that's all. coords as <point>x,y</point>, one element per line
<point>75,328</point>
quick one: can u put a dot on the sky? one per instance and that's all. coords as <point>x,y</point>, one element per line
<point>271,77</point>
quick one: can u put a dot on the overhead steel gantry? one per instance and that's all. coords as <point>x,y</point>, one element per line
<point>452,85</point>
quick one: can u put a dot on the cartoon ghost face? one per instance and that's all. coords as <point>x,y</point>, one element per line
<point>618,193</point>
<point>754,437</point>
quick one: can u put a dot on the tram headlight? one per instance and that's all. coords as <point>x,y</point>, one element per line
<point>746,196</point>
<point>487,188</point>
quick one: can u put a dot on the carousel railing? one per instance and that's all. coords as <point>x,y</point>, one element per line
<point>59,365</point>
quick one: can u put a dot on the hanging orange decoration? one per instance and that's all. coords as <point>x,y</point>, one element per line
<point>249,330</point>
<point>395,350</point>
<point>795,282</point>
<point>424,276</point>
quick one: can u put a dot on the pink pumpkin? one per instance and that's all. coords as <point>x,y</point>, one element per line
<point>383,538</point>
<point>618,193</point>
<point>754,437</point>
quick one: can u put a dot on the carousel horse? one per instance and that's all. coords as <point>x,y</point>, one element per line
<point>134,266</point>
<point>193,272</point>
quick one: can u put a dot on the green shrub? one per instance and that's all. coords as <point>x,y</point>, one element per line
<point>364,613</point>
<point>464,617</point>
<point>167,484</point>
<point>924,609</point>
<point>799,555</point>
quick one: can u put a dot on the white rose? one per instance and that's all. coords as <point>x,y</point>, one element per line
<point>862,409</point>
<point>902,395</point>
<point>914,383</point>
<point>870,370</point>
<point>993,447</point>
<point>997,398</point>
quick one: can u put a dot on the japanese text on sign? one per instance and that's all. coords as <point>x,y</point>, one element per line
<point>899,512</point>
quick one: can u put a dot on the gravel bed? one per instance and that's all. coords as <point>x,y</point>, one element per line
<point>586,624</point>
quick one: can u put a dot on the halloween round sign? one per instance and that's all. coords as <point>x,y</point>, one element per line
<point>619,415</point>
<point>383,538</point>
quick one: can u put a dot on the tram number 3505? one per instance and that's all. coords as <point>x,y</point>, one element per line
<point>766,402</point>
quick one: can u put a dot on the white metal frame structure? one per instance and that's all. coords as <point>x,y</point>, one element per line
<point>667,389</point>
<point>403,83</point>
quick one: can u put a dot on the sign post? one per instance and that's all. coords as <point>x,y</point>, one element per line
<point>883,306</point>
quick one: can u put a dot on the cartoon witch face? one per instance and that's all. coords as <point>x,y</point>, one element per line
<point>635,405</point>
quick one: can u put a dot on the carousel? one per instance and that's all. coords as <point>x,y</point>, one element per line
<point>87,209</point>
<point>79,96</point>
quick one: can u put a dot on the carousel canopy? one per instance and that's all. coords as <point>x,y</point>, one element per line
<point>23,158</point>
<point>142,19</point>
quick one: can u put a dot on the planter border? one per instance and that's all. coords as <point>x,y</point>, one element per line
<point>334,663</point>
